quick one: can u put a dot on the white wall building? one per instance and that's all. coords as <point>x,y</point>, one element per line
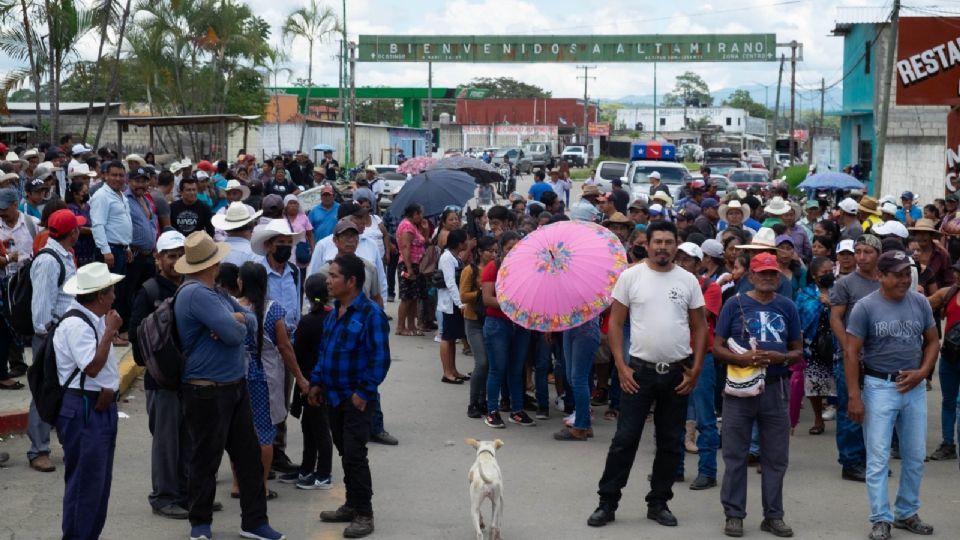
<point>732,120</point>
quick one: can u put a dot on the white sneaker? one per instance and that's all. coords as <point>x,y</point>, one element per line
<point>558,403</point>
<point>436,338</point>
<point>829,413</point>
<point>568,420</point>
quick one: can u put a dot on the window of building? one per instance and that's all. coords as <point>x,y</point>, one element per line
<point>729,121</point>
<point>866,58</point>
<point>663,121</point>
<point>738,121</point>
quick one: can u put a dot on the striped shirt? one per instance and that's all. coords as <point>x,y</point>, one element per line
<point>49,301</point>
<point>354,352</point>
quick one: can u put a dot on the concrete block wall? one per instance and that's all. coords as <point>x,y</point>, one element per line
<point>914,164</point>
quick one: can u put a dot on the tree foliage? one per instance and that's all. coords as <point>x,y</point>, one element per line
<point>741,99</point>
<point>690,91</point>
<point>507,87</point>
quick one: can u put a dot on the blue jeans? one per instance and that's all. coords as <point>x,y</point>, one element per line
<point>949,384</point>
<point>849,434</point>
<point>545,355</point>
<point>579,347</point>
<point>704,403</point>
<point>506,345</point>
<point>886,409</point>
<point>37,430</point>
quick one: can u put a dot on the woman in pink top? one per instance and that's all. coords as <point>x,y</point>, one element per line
<point>413,286</point>
<point>298,222</point>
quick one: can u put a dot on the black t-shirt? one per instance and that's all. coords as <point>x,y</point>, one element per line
<point>279,188</point>
<point>621,199</point>
<point>331,173</point>
<point>189,218</point>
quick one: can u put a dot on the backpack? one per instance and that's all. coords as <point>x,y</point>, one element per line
<point>20,294</point>
<point>159,345</point>
<point>950,350</point>
<point>42,376</point>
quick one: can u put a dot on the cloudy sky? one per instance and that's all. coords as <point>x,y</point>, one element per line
<point>807,21</point>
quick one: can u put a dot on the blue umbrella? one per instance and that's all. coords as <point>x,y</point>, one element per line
<point>323,148</point>
<point>434,190</point>
<point>831,180</point>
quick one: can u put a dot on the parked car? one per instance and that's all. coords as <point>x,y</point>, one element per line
<point>722,183</point>
<point>575,155</point>
<point>517,158</point>
<point>672,174</point>
<point>385,168</point>
<point>607,171</point>
<point>393,182</point>
<point>746,178</point>
<point>539,154</point>
<point>723,167</point>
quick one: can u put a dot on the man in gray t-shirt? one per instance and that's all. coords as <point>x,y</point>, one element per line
<point>895,330</point>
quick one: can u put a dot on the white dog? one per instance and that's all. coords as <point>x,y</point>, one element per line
<point>486,483</point>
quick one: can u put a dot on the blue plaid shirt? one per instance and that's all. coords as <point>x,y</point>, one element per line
<point>354,352</point>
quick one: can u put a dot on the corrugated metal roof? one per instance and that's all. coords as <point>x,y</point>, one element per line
<point>65,106</point>
<point>862,14</point>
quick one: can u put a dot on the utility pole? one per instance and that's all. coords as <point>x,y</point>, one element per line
<point>353,100</point>
<point>344,113</point>
<point>887,83</point>
<point>793,96</point>
<point>586,104</point>
<point>655,101</point>
<point>429,149</point>
<point>776,116</point>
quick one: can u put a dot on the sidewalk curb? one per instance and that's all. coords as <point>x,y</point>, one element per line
<point>16,421</point>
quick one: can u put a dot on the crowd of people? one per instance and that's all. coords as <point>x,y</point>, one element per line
<point>736,307</point>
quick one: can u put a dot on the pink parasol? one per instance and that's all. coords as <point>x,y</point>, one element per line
<point>560,276</point>
<point>416,165</point>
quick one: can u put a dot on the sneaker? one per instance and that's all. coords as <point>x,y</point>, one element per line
<point>543,413</point>
<point>436,338</point>
<point>521,418</point>
<point>263,532</point>
<point>599,397</point>
<point>315,482</point>
<point>944,453</point>
<point>474,411</point>
<point>569,419</point>
<point>493,420</point>
<point>201,532</point>
<point>558,403</point>
<point>384,438</point>
<point>829,413</point>
<point>292,478</point>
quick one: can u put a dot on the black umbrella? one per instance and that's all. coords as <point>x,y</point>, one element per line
<point>482,172</point>
<point>434,191</point>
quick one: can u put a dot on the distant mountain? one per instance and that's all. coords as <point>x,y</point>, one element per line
<point>832,102</point>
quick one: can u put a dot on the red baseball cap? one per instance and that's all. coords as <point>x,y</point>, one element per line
<point>763,262</point>
<point>3,148</point>
<point>206,166</point>
<point>62,222</point>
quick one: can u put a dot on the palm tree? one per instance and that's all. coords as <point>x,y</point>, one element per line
<point>105,13</point>
<point>272,68</point>
<point>114,73</point>
<point>26,35</point>
<point>313,24</point>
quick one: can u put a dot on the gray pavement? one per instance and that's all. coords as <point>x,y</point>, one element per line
<point>421,488</point>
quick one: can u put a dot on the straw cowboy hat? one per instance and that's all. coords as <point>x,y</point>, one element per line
<point>276,227</point>
<point>925,225</point>
<point>235,184</point>
<point>764,239</point>
<point>235,216</point>
<point>136,158</point>
<point>591,191</point>
<point>734,205</point>
<point>869,205</point>
<point>81,170</point>
<point>777,207</point>
<point>662,196</point>
<point>617,218</point>
<point>200,253</point>
<point>90,278</point>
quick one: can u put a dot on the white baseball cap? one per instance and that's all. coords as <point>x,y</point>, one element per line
<point>654,174</point>
<point>846,246</point>
<point>891,227</point>
<point>712,248</point>
<point>692,250</point>
<point>170,240</point>
<point>849,206</point>
<point>889,208</point>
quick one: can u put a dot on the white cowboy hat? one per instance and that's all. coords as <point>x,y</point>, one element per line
<point>276,227</point>
<point>9,177</point>
<point>137,158</point>
<point>90,278</point>
<point>777,207</point>
<point>81,170</point>
<point>50,165</point>
<point>235,184</point>
<point>663,197</point>
<point>200,253</point>
<point>32,153</point>
<point>12,156</point>
<point>235,216</point>
<point>734,205</point>
<point>764,239</point>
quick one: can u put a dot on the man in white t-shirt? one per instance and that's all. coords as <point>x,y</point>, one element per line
<point>666,309</point>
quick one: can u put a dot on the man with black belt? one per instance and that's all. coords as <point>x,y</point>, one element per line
<point>87,426</point>
<point>758,329</point>
<point>665,306</point>
<point>112,226</point>
<point>212,328</point>
<point>896,333</point>
<point>145,223</point>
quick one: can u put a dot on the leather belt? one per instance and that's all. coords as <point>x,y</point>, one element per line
<point>662,368</point>
<point>892,377</point>
<point>92,394</point>
<point>207,382</point>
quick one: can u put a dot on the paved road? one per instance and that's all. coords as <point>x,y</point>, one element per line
<point>421,489</point>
